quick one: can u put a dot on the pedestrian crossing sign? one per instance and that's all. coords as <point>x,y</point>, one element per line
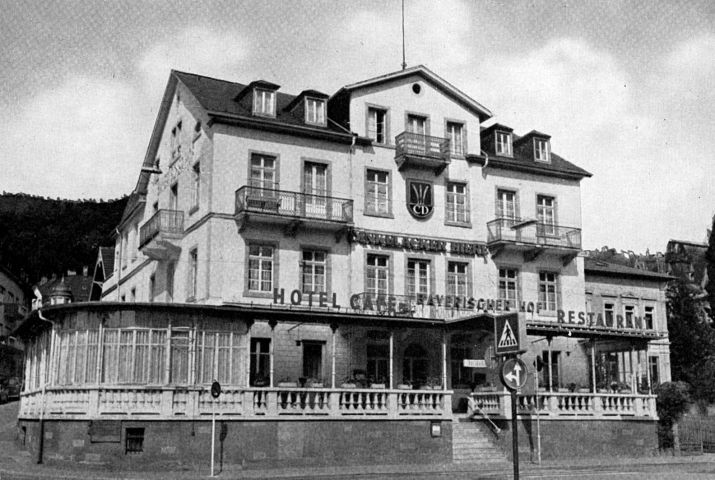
<point>506,334</point>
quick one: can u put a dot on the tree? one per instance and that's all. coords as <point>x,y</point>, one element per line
<point>710,271</point>
<point>692,340</point>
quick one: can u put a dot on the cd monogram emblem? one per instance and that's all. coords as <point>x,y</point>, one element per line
<point>419,199</point>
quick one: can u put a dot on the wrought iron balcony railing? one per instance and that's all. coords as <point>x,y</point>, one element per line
<point>534,233</point>
<point>422,151</point>
<point>250,199</point>
<point>163,222</point>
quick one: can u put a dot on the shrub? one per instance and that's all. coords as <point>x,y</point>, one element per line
<point>672,402</point>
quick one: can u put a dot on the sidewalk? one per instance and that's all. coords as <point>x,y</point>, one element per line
<point>16,463</point>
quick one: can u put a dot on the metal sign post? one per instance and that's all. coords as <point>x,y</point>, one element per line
<point>215,392</point>
<point>513,376</point>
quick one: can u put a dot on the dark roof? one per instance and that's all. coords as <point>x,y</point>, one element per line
<point>220,97</point>
<point>496,126</point>
<point>599,267</point>
<point>557,167</point>
<point>79,285</point>
<point>107,256</point>
<point>531,134</point>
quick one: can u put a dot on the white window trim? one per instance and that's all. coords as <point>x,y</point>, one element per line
<point>256,92</point>
<point>322,110</point>
<point>547,150</point>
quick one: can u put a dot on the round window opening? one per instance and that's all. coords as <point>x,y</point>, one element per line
<point>416,88</point>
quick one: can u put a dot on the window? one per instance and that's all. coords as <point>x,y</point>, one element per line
<point>649,317</point>
<point>414,365</point>
<point>503,144</point>
<point>541,150</point>
<point>546,215</point>
<point>378,359</point>
<point>196,183</point>
<point>377,274</point>
<point>418,277</point>
<point>377,192</point>
<point>313,268</point>
<point>175,145</point>
<point>508,286</point>
<point>629,312</point>
<point>417,124</point>
<point>134,440</point>
<point>552,382</point>
<point>260,362</point>
<point>457,279</point>
<point>506,204</point>
<point>377,125</point>
<point>179,357</point>
<point>315,111</point>
<point>260,268</point>
<point>654,373</point>
<point>218,357</point>
<point>455,133</point>
<point>174,197</point>
<point>315,186</point>
<point>460,350</point>
<point>312,360</point>
<point>193,272</point>
<point>264,102</point>
<point>548,291</point>
<point>133,294</point>
<point>263,173</point>
<point>170,268</point>
<point>608,313</point>
<point>456,204</point>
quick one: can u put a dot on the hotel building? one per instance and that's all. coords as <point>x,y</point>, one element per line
<point>337,263</point>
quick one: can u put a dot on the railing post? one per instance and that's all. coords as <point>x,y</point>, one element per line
<point>392,404</point>
<point>334,403</point>
<point>167,403</point>
<point>272,403</point>
<point>247,404</point>
<point>93,406</point>
<point>505,404</point>
<point>597,404</point>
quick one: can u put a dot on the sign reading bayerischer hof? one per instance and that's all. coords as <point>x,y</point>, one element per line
<point>415,243</point>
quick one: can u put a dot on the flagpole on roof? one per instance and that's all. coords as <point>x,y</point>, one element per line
<point>404,63</point>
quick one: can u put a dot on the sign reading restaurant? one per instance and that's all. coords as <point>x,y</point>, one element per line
<point>404,305</point>
<point>413,243</point>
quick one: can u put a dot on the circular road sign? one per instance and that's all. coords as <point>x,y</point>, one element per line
<point>513,374</point>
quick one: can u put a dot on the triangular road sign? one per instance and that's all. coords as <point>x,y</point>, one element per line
<point>507,338</point>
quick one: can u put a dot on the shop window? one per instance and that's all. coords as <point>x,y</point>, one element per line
<point>133,440</point>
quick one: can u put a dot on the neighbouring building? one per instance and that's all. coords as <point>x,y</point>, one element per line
<point>337,263</point>
<point>13,308</point>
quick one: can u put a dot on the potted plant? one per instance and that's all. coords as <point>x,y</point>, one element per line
<point>348,382</point>
<point>379,384</point>
<point>433,383</point>
<point>315,383</point>
<point>405,385</point>
<point>286,382</point>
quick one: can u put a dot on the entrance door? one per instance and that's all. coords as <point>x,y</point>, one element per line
<point>313,360</point>
<point>418,126</point>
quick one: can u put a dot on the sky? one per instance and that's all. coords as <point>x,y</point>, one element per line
<point>625,88</point>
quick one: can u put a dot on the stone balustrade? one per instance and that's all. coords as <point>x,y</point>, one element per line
<point>120,402</point>
<point>565,405</point>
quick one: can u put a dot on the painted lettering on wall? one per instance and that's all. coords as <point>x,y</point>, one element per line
<point>386,240</point>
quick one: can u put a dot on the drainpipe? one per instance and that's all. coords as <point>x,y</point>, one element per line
<point>119,269</point>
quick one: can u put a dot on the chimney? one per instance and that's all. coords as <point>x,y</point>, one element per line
<point>85,271</point>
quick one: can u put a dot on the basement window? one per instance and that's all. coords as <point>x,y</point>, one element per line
<point>134,440</point>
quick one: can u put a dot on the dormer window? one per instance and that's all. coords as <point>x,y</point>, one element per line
<point>315,111</point>
<point>264,102</point>
<point>541,150</point>
<point>503,144</point>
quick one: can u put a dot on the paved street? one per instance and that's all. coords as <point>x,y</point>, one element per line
<point>18,464</point>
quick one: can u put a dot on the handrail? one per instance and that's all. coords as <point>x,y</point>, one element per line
<point>473,405</point>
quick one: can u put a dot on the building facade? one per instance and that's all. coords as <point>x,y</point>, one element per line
<point>339,262</point>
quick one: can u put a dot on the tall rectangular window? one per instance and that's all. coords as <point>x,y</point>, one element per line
<point>541,150</point>
<point>313,360</point>
<point>174,197</point>
<point>313,269</point>
<point>196,185</point>
<point>377,124</point>
<point>546,214</point>
<point>508,286</point>
<point>179,357</point>
<point>260,362</point>
<point>152,287</point>
<point>548,291</point>
<point>263,172</point>
<point>503,144</point>
<point>456,204</point>
<point>506,204</point>
<point>170,269</point>
<point>554,381</point>
<point>260,268</point>
<point>629,312</point>
<point>654,371</point>
<point>193,272</point>
<point>457,279</point>
<point>418,277</point>
<point>315,187</point>
<point>315,111</point>
<point>377,273</point>
<point>609,314</point>
<point>377,192</point>
<point>455,133</point>
<point>649,317</point>
<point>378,358</point>
<point>264,102</point>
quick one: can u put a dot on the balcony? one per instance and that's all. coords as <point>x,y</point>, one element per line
<point>532,238</point>
<point>292,210</point>
<point>159,237</point>
<point>421,151</point>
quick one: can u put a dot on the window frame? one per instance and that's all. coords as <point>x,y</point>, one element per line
<point>388,184</point>
<point>420,259</point>
<point>516,281</point>
<point>326,266</point>
<point>508,137</point>
<point>467,206</point>
<point>386,124</point>
<point>257,92</point>
<point>547,229</point>
<point>447,133</point>
<point>468,275</point>
<point>317,101</point>
<point>389,270</point>
<point>498,211</point>
<point>195,186</point>
<point>646,314</point>
<point>276,169</point>
<point>247,292</point>
<point>193,274</point>
<point>556,283</point>
<point>546,151</point>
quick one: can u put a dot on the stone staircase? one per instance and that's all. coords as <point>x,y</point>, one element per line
<point>473,442</point>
